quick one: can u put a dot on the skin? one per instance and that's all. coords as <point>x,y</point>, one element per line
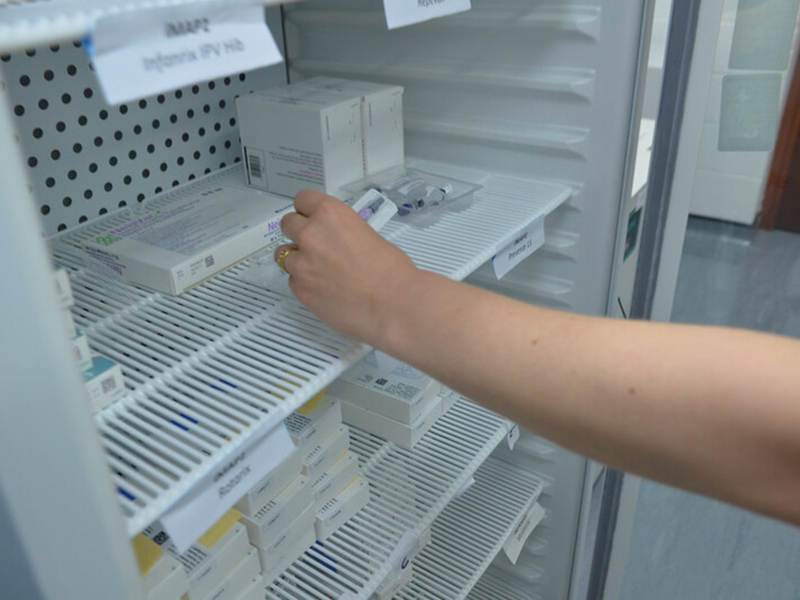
<point>712,410</point>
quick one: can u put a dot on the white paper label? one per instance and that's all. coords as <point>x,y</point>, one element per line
<point>400,13</point>
<point>151,51</point>
<point>404,553</point>
<point>386,364</point>
<point>523,530</point>
<point>512,435</point>
<point>467,485</point>
<point>218,491</point>
<point>519,247</point>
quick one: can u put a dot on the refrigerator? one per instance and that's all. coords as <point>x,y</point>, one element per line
<point>539,103</point>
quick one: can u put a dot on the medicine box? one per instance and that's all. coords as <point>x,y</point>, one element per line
<point>166,581</point>
<point>284,541</point>
<point>300,138</point>
<point>255,591</point>
<point>104,383</point>
<point>81,352</point>
<point>63,287</point>
<point>335,479</point>
<point>341,508</point>
<point>402,434</point>
<point>271,485</point>
<point>206,566</point>
<point>247,571</point>
<point>272,567</point>
<point>326,452</point>
<point>203,231</point>
<point>402,394</point>
<point>381,119</point>
<point>311,427</point>
<point>264,525</point>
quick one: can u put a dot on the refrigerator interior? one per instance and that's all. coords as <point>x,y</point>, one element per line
<point>535,101</point>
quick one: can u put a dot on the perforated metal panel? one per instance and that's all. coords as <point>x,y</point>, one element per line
<point>86,158</point>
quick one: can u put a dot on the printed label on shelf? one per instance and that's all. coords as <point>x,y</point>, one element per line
<point>523,530</point>
<point>513,434</point>
<point>467,485</point>
<point>152,51</point>
<point>403,554</point>
<point>400,13</point>
<point>218,491</point>
<point>519,247</point>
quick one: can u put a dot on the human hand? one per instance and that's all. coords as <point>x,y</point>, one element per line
<point>340,269</point>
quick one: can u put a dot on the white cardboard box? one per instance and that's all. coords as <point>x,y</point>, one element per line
<point>300,138</point>
<point>381,119</point>
<point>342,507</point>
<point>402,434</point>
<point>271,485</point>
<point>285,539</point>
<point>238,579</point>
<point>104,383</point>
<point>255,591</point>
<point>272,568</point>
<point>309,429</point>
<point>81,352</point>
<point>182,243</point>
<point>63,287</point>
<point>272,519</point>
<point>167,580</point>
<point>335,479</point>
<point>402,395</point>
<point>326,452</point>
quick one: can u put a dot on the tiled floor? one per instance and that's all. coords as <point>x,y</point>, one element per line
<point>684,547</point>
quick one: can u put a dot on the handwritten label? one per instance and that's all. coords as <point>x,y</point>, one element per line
<point>220,489</point>
<point>516,541</point>
<point>400,13</point>
<point>519,247</point>
<point>404,553</point>
<point>512,434</point>
<point>152,51</point>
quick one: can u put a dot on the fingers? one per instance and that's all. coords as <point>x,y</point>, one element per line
<point>291,224</point>
<point>307,201</point>
<point>284,258</point>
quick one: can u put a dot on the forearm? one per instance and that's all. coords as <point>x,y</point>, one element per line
<point>687,406</point>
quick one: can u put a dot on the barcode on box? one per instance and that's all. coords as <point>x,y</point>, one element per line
<point>109,384</point>
<point>254,165</point>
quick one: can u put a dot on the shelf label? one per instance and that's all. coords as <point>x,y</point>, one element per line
<point>404,553</point>
<point>516,541</point>
<point>217,492</point>
<point>512,435</point>
<point>518,247</point>
<point>151,51</point>
<point>400,13</point>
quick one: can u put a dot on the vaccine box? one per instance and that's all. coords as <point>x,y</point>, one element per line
<point>402,394</point>
<point>81,352</point>
<point>167,580</point>
<point>104,383</point>
<point>271,485</point>
<point>309,427</point>
<point>284,540</point>
<point>381,119</point>
<point>403,434</point>
<point>63,287</point>
<point>300,138</point>
<point>341,508</point>
<point>181,244</point>
<point>245,573</point>
<point>335,479</point>
<point>264,525</point>
<point>323,454</point>
<point>255,591</point>
<point>273,566</point>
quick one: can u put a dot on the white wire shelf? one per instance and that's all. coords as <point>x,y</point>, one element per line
<point>409,490</point>
<point>207,369</point>
<point>492,587</point>
<point>31,23</point>
<point>471,532</point>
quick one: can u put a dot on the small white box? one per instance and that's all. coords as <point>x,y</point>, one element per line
<point>81,351</point>
<point>390,586</point>
<point>238,579</point>
<point>255,591</point>
<point>309,429</point>
<point>449,399</point>
<point>271,569</point>
<point>69,323</point>
<point>271,485</point>
<point>180,244</point>
<point>63,287</point>
<point>326,452</point>
<point>206,567</point>
<point>104,383</point>
<point>381,119</point>
<point>335,479</point>
<point>341,508</point>
<point>269,521</point>
<point>166,581</point>
<point>405,436</point>
<point>300,138</point>
<point>402,395</point>
<point>285,539</point>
